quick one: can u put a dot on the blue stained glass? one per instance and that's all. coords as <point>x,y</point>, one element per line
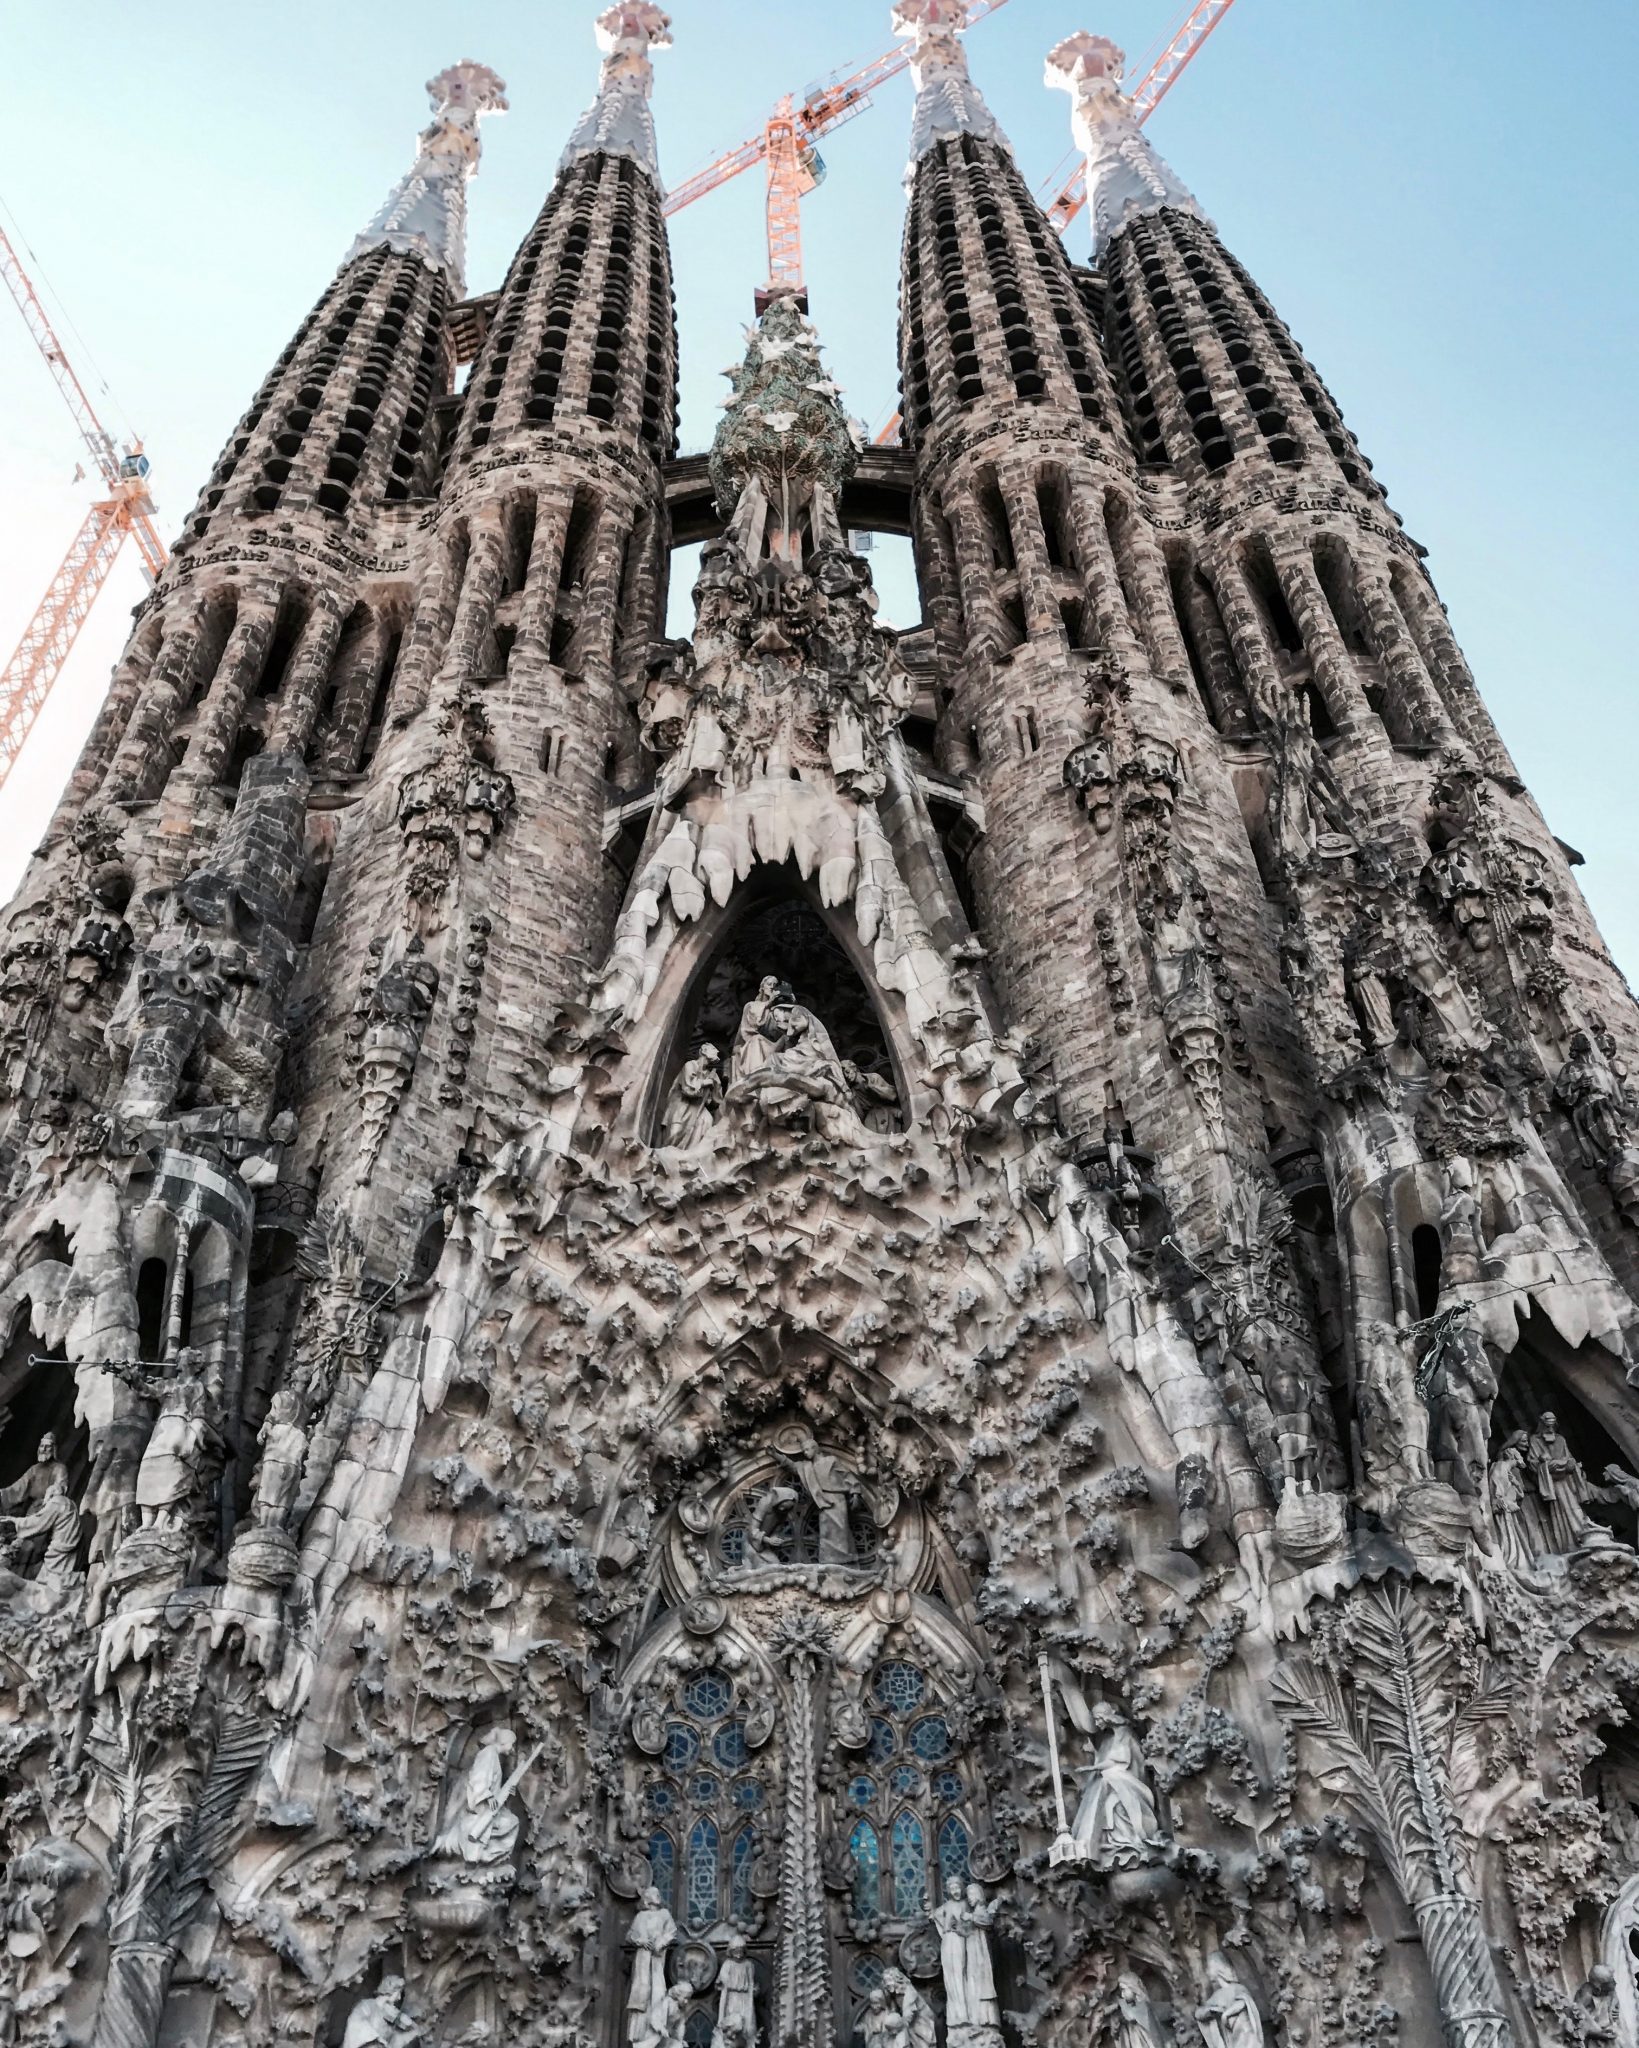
<point>953,1848</point>
<point>663,1864</point>
<point>861,1791</point>
<point>931,1738</point>
<point>947,1787</point>
<point>868,1973</point>
<point>748,1793</point>
<point>703,1789</point>
<point>745,1855</point>
<point>733,1544</point>
<point>729,1745</point>
<point>906,1780</point>
<point>682,1745</point>
<point>707,1696</point>
<point>700,1898</point>
<point>661,1799</point>
<point>899,1687</point>
<point>883,1741</point>
<point>699,2027</point>
<point>910,1868</point>
<point>862,1846</point>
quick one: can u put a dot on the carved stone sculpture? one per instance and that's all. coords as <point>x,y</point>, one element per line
<point>1117,1824</point>
<point>963,1921</point>
<point>1227,2016</point>
<point>653,1931</point>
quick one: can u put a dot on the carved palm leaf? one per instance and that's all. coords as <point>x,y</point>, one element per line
<point>1311,1702</point>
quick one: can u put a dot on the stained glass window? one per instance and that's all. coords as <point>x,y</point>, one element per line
<point>728,1745</point>
<point>663,1864</point>
<point>899,1687</point>
<point>902,1827</point>
<point>707,1696</point>
<point>910,1868</point>
<point>931,1738</point>
<point>953,1848</point>
<point>745,1855</point>
<point>867,1861</point>
<point>700,1906</point>
<point>703,1851</point>
<point>699,2027</point>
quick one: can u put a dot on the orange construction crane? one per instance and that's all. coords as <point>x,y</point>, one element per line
<point>127,508</point>
<point>789,147</point>
<point>1062,199</point>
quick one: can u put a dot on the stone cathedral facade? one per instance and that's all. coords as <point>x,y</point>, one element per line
<point>811,1336</point>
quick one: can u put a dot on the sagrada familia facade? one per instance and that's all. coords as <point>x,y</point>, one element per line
<point>811,1336</point>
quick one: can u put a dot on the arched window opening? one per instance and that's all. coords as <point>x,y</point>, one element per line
<point>1053,503</point>
<point>906,1811</point>
<point>281,651</point>
<point>37,1401</point>
<point>153,1299</point>
<point>998,528</point>
<point>1271,599</point>
<point>1321,722</point>
<point>1550,1424</point>
<point>707,1799</point>
<point>1428,1263</point>
<point>248,743</point>
<point>786,937</point>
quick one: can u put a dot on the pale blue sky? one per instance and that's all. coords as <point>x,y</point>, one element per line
<point>1438,194</point>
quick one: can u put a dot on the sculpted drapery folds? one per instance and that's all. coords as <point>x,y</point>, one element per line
<point>810,1337</point>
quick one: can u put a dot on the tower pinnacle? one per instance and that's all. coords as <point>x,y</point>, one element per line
<point>1125,176</point>
<point>619,121</point>
<point>425,214</point>
<point>947,101</point>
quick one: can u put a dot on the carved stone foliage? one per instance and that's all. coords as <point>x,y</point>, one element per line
<point>456,802</point>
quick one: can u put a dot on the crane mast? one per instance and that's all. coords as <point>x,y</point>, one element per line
<point>126,511</point>
<point>789,148</point>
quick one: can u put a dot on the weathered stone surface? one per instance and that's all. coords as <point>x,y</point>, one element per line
<point>811,1336</point>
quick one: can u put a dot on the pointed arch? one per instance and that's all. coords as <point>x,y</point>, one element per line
<point>660,1042</point>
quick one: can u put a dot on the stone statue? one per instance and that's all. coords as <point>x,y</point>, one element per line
<point>1117,1824</point>
<point>477,1826</point>
<point>736,1998</point>
<point>1227,2015</point>
<point>37,1481</point>
<point>823,1478</point>
<point>53,1523</point>
<point>785,1069</point>
<point>910,2017</point>
<point>1563,1491</point>
<point>762,1547</point>
<point>652,1934</point>
<point>696,1097</point>
<point>676,2016</point>
<point>168,1478</point>
<point>1517,1532</point>
<point>964,1957</point>
<point>1587,1092</point>
<point>1458,1383</point>
<point>1134,2023</point>
<point>1596,2002</point>
<point>379,2022</point>
<point>284,1446</point>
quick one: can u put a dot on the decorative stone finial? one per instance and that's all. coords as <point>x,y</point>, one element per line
<point>784,423</point>
<point>947,101</point>
<point>425,214</point>
<point>619,121</point>
<point>1125,177</point>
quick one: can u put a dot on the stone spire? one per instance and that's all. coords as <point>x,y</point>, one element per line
<point>947,101</point>
<point>784,428</point>
<point>619,121</point>
<point>425,214</point>
<point>1125,177</point>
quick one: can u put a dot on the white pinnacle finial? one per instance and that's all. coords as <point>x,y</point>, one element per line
<point>1125,176</point>
<point>619,121</point>
<point>947,101</point>
<point>425,214</point>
